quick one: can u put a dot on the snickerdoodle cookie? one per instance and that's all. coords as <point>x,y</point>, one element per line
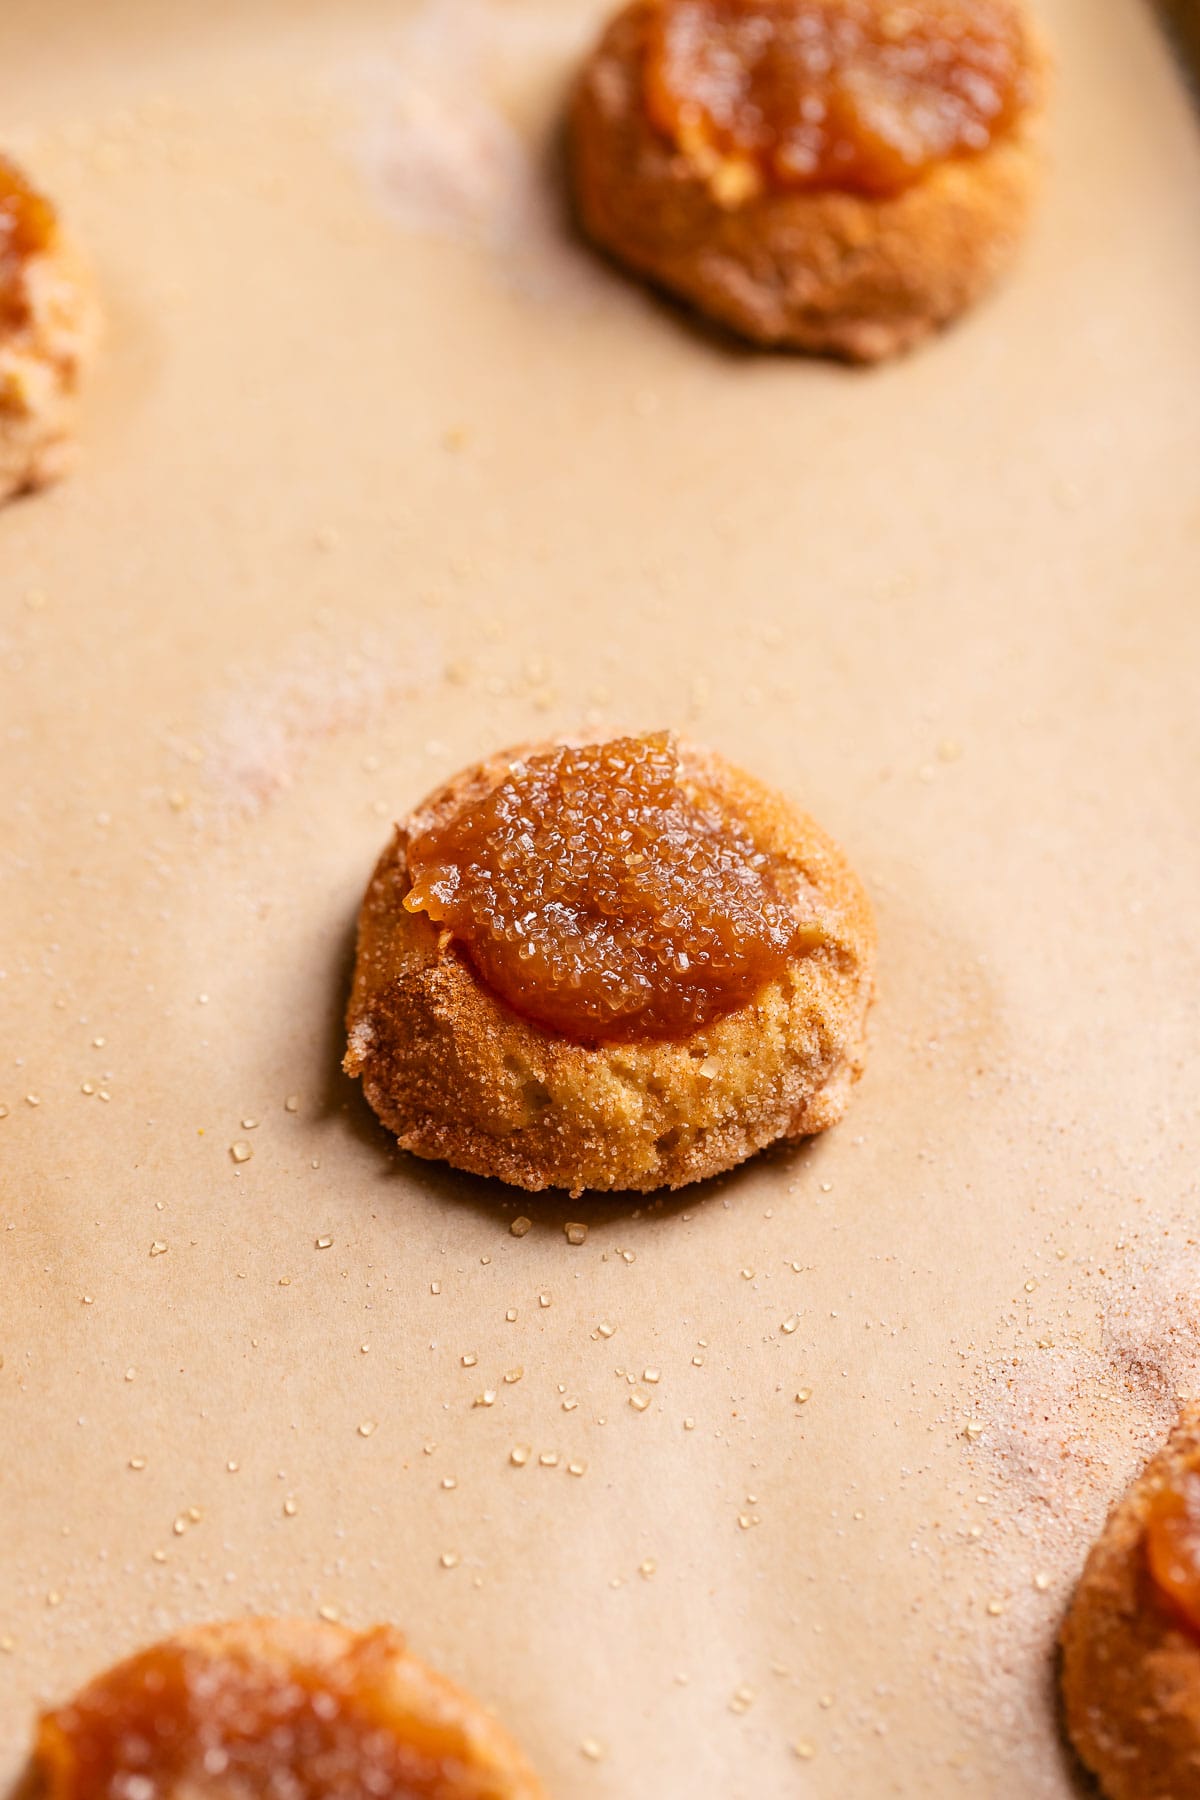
<point>838,176</point>
<point>257,1709</point>
<point>48,327</point>
<point>1131,1640</point>
<point>617,965</point>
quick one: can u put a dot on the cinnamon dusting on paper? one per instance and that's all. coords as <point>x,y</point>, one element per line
<point>268,721</point>
<point>454,146</point>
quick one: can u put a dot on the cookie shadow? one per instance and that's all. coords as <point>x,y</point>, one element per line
<point>552,1210</point>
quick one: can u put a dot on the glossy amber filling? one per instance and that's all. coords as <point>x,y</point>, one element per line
<point>862,95</point>
<point>176,1721</point>
<point>1173,1543</point>
<point>611,892</point>
<point>27,227</point>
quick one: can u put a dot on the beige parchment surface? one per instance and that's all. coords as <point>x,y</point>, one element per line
<point>381,472</point>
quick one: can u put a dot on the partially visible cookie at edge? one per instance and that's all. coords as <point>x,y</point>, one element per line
<point>260,1707</point>
<point>49,326</point>
<point>1130,1672</point>
<point>861,264</point>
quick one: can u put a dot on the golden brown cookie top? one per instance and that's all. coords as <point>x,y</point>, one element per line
<point>611,891</point>
<point>27,228</point>
<point>277,1707</point>
<point>857,95</point>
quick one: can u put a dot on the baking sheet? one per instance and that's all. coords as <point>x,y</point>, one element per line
<point>381,472</point>
<point>1183,21</point>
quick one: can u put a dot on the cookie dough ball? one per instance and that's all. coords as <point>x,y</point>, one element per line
<point>1131,1640</point>
<point>262,1708</point>
<point>839,176</point>
<point>617,965</point>
<point>48,327</point>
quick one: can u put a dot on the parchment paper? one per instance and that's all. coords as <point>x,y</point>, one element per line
<point>381,471</point>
